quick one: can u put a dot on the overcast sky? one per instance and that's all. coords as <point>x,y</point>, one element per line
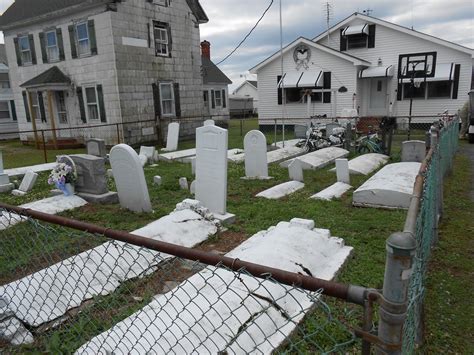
<point>230,20</point>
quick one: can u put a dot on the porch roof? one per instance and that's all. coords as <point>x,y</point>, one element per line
<point>356,29</point>
<point>376,72</point>
<point>51,77</point>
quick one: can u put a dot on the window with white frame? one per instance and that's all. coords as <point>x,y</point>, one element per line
<point>4,84</point>
<point>167,99</point>
<point>160,33</point>
<point>25,50</point>
<point>52,48</point>
<point>35,105</point>
<point>218,98</point>
<point>4,110</point>
<point>82,37</point>
<point>92,103</point>
<point>61,106</point>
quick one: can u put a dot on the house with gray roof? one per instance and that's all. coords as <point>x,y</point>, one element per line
<point>8,117</point>
<point>129,66</point>
<point>248,88</point>
<point>215,86</point>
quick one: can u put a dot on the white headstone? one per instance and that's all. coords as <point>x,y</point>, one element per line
<point>193,165</point>
<point>1,162</point>
<point>183,183</point>
<point>342,171</point>
<point>211,168</point>
<point>192,187</point>
<point>149,152</point>
<point>129,179</point>
<point>413,151</point>
<point>28,181</point>
<point>209,123</point>
<point>295,170</point>
<point>255,146</point>
<point>157,180</point>
<point>173,137</point>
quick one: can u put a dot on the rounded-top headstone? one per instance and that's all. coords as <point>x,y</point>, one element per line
<point>255,146</point>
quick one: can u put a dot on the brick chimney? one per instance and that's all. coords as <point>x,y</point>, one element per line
<point>206,49</point>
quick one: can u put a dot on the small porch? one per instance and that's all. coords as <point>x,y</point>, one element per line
<point>374,91</point>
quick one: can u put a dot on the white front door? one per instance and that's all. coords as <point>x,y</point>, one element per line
<point>378,96</point>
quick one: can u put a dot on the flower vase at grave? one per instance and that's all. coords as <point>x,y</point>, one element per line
<point>70,189</point>
<point>66,188</point>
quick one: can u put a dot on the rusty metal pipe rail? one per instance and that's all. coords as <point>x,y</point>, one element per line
<point>350,293</point>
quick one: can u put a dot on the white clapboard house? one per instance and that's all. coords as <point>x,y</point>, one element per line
<point>355,65</point>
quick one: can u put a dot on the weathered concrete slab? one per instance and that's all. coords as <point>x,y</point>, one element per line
<point>318,159</point>
<point>50,205</point>
<point>336,190</point>
<point>279,191</point>
<point>391,187</point>
<point>179,154</point>
<point>185,321</point>
<point>367,163</point>
<point>16,172</point>
<point>278,155</point>
<point>47,294</point>
<point>288,143</point>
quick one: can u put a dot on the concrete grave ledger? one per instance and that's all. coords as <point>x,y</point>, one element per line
<point>211,168</point>
<point>255,146</point>
<point>129,179</point>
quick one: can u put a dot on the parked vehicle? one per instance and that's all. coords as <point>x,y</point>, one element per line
<point>315,138</point>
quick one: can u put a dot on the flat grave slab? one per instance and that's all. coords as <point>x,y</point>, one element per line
<point>288,143</point>
<point>279,191</point>
<point>318,159</point>
<point>216,312</point>
<point>16,172</point>
<point>278,155</point>
<point>179,154</point>
<point>391,187</point>
<point>367,163</point>
<point>336,190</point>
<point>47,294</point>
<point>50,205</point>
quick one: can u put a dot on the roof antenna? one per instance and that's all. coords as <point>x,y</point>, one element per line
<point>368,11</point>
<point>328,11</point>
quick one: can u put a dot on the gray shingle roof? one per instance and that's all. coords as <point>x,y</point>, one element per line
<point>22,10</point>
<point>212,74</point>
<point>51,76</point>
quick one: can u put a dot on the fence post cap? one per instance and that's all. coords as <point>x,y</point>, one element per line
<point>401,241</point>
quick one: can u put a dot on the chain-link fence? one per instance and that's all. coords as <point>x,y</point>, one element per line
<point>63,290</point>
<point>425,226</point>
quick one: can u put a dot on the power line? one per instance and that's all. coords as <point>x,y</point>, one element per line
<point>248,34</point>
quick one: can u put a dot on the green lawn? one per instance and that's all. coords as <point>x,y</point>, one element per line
<point>364,229</point>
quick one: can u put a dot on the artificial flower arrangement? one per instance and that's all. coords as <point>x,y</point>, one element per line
<point>61,175</point>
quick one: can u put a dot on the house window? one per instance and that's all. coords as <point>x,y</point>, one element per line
<point>61,106</point>
<point>218,98</point>
<point>357,41</point>
<point>161,2</point>
<point>92,103</point>
<point>167,99</point>
<point>52,48</point>
<point>315,97</point>
<point>439,89</point>
<point>293,95</point>
<point>35,106</point>
<point>4,110</point>
<point>82,37</point>
<point>4,84</point>
<point>160,32</point>
<point>25,50</point>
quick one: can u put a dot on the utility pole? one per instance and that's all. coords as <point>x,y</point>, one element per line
<point>328,12</point>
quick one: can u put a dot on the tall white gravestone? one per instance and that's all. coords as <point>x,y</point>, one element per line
<point>129,179</point>
<point>209,122</point>
<point>342,171</point>
<point>211,169</point>
<point>172,137</point>
<point>255,146</point>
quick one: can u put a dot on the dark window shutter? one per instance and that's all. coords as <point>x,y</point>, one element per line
<point>100,94</point>
<point>72,40</point>
<point>17,50</point>
<point>279,91</point>
<point>148,27</point>
<point>170,40</point>
<point>27,108</point>
<point>32,49</point>
<point>82,109</point>
<point>156,99</point>
<point>224,103</point>
<point>342,42</point>
<point>326,97</point>
<point>399,91</point>
<point>13,109</point>
<point>41,106</point>
<point>44,55</point>
<point>327,80</point>
<point>371,39</point>
<point>457,70</point>
<point>213,99</point>
<point>92,40</point>
<point>177,100</point>
<point>59,36</point>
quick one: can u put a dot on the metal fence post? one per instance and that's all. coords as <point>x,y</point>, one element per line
<point>400,248</point>
<point>118,133</point>
<point>44,147</point>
